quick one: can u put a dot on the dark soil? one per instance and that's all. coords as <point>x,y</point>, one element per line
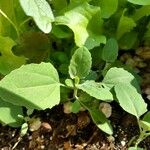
<point>60,131</point>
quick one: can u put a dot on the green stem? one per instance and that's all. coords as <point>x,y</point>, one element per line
<point>10,21</point>
<point>25,21</point>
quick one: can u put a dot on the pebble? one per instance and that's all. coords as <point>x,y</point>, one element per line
<point>123,143</point>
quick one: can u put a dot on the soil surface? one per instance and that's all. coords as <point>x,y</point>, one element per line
<point>60,131</point>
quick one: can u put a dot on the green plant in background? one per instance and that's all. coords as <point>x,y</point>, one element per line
<point>81,39</point>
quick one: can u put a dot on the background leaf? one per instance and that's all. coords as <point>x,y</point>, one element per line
<point>140,2</point>
<point>108,7</point>
<point>85,22</point>
<point>126,24</point>
<point>41,12</point>
<point>110,51</point>
<point>9,114</point>
<point>80,63</point>
<point>130,100</point>
<point>35,86</point>
<point>8,61</point>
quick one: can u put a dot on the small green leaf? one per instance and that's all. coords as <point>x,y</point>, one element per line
<point>8,61</point>
<point>80,63</point>
<point>126,24</point>
<point>69,83</point>
<point>135,148</point>
<point>41,12</point>
<point>128,40</point>
<point>75,107</point>
<point>147,117</point>
<point>130,100</point>
<point>110,51</point>
<point>101,121</point>
<point>24,129</point>
<point>140,2</point>
<point>145,125</point>
<point>9,114</point>
<point>108,7</point>
<point>35,86</point>
<point>96,90</point>
<point>118,75</point>
<point>145,122</point>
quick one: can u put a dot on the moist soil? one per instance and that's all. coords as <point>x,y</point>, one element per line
<point>61,131</point>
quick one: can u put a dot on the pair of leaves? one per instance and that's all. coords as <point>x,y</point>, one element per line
<point>124,85</point>
<point>80,66</point>
<point>35,86</point>
<point>41,12</point>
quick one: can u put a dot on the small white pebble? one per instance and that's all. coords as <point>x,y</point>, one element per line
<point>42,146</point>
<point>148,97</point>
<point>51,138</point>
<point>123,143</point>
<point>30,137</point>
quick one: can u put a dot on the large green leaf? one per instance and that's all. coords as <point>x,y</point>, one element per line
<point>80,63</point>
<point>126,24</point>
<point>95,89</point>
<point>8,61</point>
<point>85,22</point>
<point>110,51</point>
<point>140,2</point>
<point>101,121</point>
<point>9,114</point>
<point>41,12</point>
<point>34,86</point>
<point>118,75</point>
<point>130,100</point>
<point>108,7</point>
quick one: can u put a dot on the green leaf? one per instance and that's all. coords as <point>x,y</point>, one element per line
<point>119,75</point>
<point>110,51</point>
<point>126,24</point>
<point>145,125</point>
<point>35,86</point>
<point>8,61</point>
<point>96,90</point>
<point>80,63</point>
<point>145,122</point>
<point>128,40</point>
<point>108,7</point>
<point>24,129</point>
<point>9,114</point>
<point>75,107</point>
<point>41,12</point>
<point>135,148</point>
<point>130,100</point>
<point>141,12</point>
<point>85,22</point>
<point>101,121</point>
<point>140,2</point>
<point>147,117</point>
